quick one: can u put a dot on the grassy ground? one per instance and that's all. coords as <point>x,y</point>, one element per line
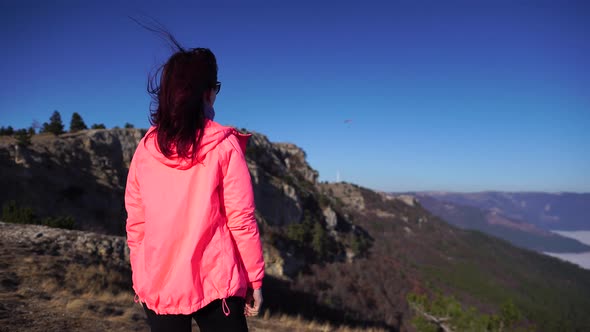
<point>43,290</point>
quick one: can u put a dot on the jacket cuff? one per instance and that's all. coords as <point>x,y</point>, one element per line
<point>255,284</point>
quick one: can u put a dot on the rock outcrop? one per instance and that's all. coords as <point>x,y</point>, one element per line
<point>82,246</point>
<point>83,175</point>
<point>293,210</point>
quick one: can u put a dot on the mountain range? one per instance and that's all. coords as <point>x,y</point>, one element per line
<point>550,211</point>
<point>481,214</point>
<point>524,219</point>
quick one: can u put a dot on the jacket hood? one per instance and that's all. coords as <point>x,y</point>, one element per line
<point>214,134</point>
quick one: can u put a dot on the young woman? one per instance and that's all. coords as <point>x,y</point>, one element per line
<point>194,244</point>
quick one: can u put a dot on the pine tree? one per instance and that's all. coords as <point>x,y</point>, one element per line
<point>55,126</point>
<point>23,137</point>
<point>6,131</point>
<point>319,240</point>
<point>77,124</point>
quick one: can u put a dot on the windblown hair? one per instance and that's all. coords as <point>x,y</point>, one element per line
<point>177,88</point>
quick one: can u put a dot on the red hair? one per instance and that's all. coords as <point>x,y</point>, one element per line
<point>178,115</point>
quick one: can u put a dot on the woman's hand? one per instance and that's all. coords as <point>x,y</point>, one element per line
<point>253,302</point>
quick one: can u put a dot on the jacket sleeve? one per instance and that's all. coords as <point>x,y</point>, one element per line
<point>238,200</point>
<point>135,212</point>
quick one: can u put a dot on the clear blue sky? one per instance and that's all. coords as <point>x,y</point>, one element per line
<point>442,95</point>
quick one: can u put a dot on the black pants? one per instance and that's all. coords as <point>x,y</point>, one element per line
<point>210,318</point>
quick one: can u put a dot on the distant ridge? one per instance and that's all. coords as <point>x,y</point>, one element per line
<point>550,211</point>
<point>494,222</point>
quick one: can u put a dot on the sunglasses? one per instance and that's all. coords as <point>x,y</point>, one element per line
<point>217,87</point>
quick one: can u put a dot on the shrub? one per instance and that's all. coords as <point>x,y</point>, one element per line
<point>23,137</point>
<point>320,241</point>
<point>66,222</point>
<point>98,126</point>
<point>12,213</point>
<point>445,312</point>
<point>311,238</point>
<point>359,244</point>
<point>297,233</point>
<point>323,200</point>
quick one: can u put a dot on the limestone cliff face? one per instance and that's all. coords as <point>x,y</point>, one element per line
<point>80,175</point>
<point>302,224</point>
<point>278,171</point>
<point>83,175</point>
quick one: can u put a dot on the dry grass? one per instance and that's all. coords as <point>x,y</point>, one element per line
<point>282,322</point>
<point>44,291</point>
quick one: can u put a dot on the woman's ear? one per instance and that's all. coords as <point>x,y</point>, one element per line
<point>209,97</point>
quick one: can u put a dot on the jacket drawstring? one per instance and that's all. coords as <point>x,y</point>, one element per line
<point>224,307</point>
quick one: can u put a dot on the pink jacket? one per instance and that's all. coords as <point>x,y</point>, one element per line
<point>191,229</point>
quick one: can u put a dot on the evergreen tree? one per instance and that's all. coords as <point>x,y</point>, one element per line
<point>319,240</point>
<point>129,125</point>
<point>55,126</point>
<point>23,137</point>
<point>98,126</point>
<point>6,131</point>
<point>77,124</point>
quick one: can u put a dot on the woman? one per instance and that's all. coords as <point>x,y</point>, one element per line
<point>194,244</point>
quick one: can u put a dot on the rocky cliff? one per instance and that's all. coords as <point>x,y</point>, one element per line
<point>83,175</point>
